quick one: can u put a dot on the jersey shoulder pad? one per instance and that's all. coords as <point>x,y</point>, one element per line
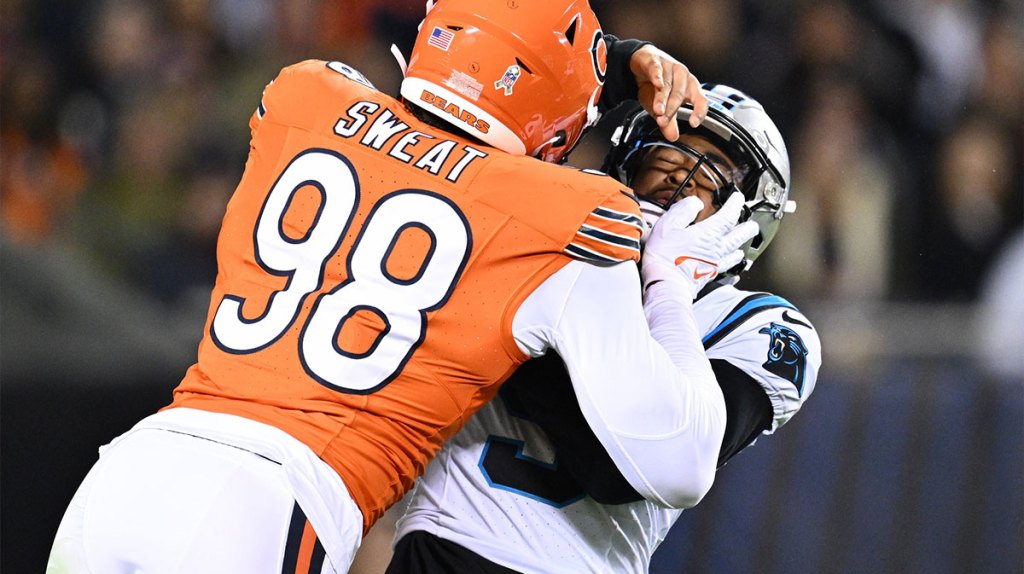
<point>585,214</point>
<point>350,73</point>
<point>607,223</point>
<point>768,338</point>
<point>307,87</point>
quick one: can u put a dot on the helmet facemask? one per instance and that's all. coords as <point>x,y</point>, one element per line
<point>762,181</point>
<point>703,170</point>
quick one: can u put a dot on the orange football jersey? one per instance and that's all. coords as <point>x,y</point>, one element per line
<point>369,268</point>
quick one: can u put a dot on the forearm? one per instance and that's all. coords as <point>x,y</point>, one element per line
<point>663,432</point>
<point>669,314</point>
<point>662,425</point>
<point>619,83</point>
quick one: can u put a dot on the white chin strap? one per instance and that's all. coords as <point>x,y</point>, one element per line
<point>397,53</point>
<point>430,6</point>
<point>400,58</point>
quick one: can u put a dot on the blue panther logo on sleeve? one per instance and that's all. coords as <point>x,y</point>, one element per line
<point>787,354</point>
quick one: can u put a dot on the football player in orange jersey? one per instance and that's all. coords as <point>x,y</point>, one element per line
<point>383,266</point>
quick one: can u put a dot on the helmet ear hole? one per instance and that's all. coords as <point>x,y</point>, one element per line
<point>570,33</point>
<point>755,243</point>
<point>736,269</point>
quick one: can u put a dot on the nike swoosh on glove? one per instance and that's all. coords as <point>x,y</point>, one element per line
<point>692,254</point>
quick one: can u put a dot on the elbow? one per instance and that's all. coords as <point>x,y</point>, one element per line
<point>674,469</point>
<point>688,489</point>
<point>694,490</point>
<point>675,478</point>
<point>685,477</point>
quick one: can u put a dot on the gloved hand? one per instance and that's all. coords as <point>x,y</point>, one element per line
<point>692,254</point>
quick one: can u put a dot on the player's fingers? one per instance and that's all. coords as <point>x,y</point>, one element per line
<point>696,96</point>
<point>729,214</point>
<point>739,235</point>
<point>683,212</point>
<point>669,127</point>
<point>681,85</point>
<point>656,75</point>
<point>669,98</point>
<point>648,71</point>
<point>729,261</point>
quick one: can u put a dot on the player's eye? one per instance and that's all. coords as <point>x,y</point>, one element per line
<point>671,165</point>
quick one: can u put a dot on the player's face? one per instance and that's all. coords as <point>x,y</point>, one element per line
<point>664,169</point>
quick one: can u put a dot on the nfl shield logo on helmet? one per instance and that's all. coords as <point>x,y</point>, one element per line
<point>508,79</point>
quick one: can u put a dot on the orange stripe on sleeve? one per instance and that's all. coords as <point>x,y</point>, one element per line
<point>610,233</point>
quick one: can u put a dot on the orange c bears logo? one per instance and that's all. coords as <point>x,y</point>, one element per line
<point>599,56</point>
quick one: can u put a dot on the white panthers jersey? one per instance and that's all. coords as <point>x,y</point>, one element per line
<point>497,489</point>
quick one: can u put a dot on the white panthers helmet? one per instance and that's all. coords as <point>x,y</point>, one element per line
<point>739,126</point>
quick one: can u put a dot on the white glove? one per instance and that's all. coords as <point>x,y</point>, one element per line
<point>692,254</point>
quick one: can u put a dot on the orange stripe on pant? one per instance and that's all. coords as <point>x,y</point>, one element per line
<point>303,553</point>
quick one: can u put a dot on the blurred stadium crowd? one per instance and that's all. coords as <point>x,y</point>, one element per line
<point>124,124</point>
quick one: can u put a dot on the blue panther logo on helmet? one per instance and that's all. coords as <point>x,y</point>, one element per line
<point>787,354</point>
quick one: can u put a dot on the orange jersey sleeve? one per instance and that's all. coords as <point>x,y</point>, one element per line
<point>369,266</point>
<point>611,232</point>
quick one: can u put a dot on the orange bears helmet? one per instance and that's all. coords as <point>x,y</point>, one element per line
<point>523,76</point>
